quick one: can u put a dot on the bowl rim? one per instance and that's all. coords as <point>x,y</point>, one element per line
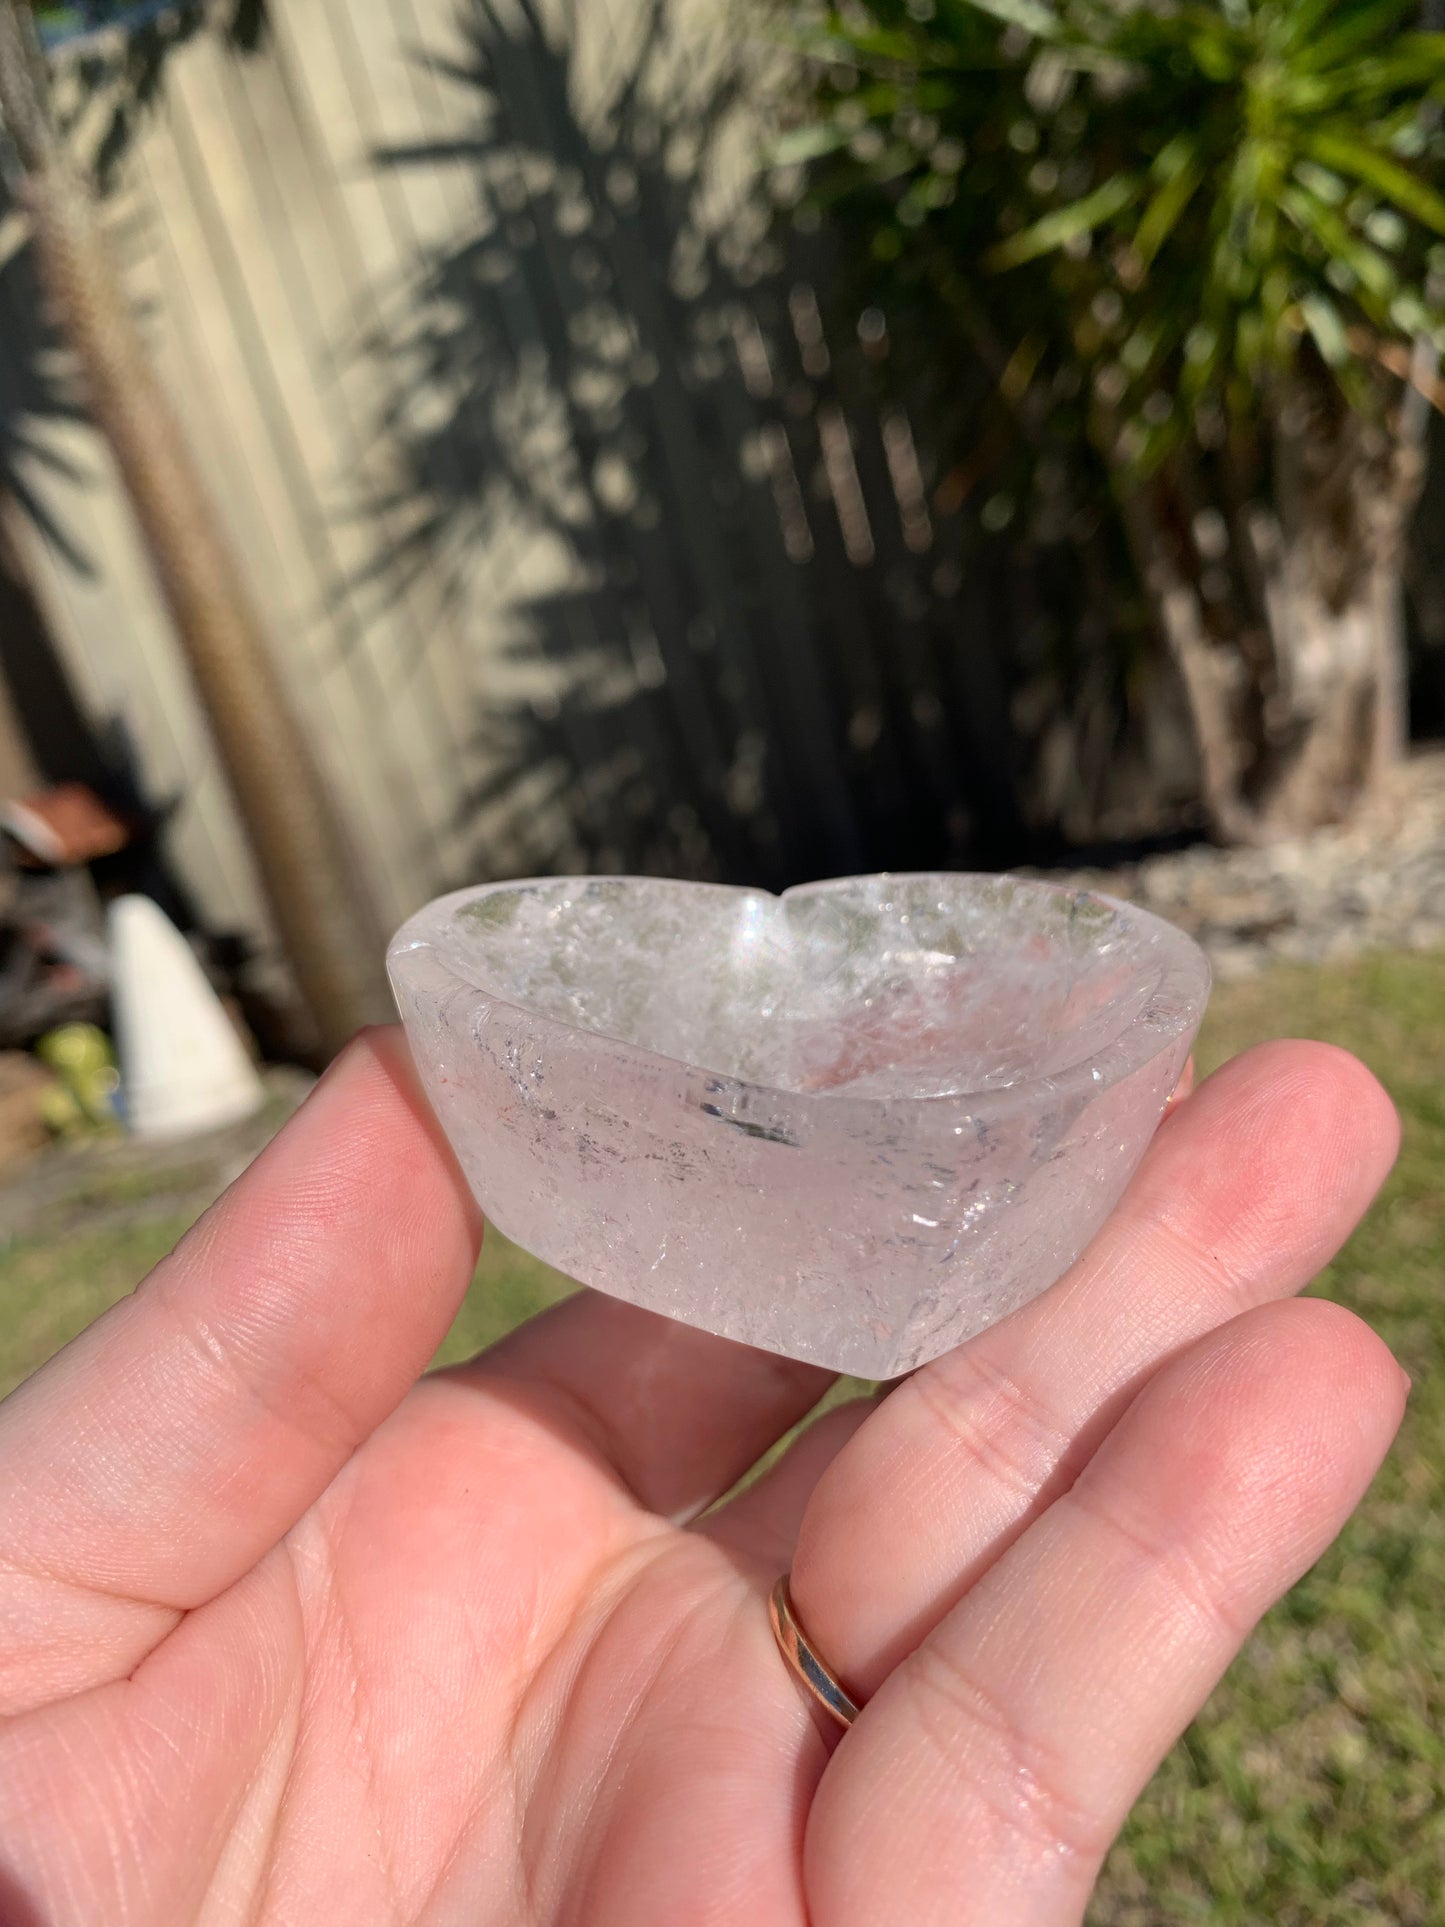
<point>1174,1009</point>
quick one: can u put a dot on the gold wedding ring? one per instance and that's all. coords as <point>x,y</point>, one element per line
<point>793,1644</point>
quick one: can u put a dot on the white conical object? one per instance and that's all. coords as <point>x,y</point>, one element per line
<point>182,1066</point>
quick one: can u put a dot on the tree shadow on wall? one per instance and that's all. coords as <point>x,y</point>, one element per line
<point>728,635</point>
<point>38,403</point>
<point>37,396</point>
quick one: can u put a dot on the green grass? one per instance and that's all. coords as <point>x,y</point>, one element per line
<point>51,1288</point>
<point>1311,1792</point>
<point>509,1287</point>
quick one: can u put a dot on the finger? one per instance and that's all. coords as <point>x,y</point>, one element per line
<point>988,1777</point>
<point>679,1413</point>
<point>159,1456</point>
<point>1245,1193</point>
<point>763,1520</point>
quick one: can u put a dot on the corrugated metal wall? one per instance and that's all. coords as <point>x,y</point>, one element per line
<point>574,540</point>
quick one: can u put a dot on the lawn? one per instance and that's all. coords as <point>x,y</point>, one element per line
<point>1311,1792</point>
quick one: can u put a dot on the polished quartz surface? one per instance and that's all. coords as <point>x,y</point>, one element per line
<point>853,1124</point>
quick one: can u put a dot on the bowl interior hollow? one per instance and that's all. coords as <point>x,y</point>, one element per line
<point>888,987</point>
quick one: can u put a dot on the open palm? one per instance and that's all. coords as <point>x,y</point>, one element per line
<point>289,1637</point>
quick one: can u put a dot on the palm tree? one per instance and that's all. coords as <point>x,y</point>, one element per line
<point>311,880</point>
<point>1199,247</point>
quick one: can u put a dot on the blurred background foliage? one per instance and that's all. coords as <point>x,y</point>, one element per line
<point>1171,279</point>
<point>1146,221</point>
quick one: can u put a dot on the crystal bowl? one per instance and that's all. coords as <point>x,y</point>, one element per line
<point>853,1124</point>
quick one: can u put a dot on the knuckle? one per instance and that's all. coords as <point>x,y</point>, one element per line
<point>1195,1595</point>
<point>995,1418</point>
<point>1018,1782</point>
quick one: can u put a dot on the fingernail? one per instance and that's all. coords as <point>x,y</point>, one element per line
<point>1408,1381</point>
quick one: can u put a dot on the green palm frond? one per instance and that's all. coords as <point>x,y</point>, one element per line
<point>1236,183</point>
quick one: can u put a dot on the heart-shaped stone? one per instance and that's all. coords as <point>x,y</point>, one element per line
<point>854,1124</point>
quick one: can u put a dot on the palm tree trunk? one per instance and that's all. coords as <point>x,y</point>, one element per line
<point>311,881</point>
<point>1288,643</point>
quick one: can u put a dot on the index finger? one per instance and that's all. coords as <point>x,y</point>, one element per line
<point>155,1459</point>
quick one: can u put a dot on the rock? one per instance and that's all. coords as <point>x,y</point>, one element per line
<point>1375,886</point>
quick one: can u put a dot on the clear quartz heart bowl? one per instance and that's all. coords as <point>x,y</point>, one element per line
<point>854,1124</point>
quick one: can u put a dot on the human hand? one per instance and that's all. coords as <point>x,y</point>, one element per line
<point>290,1637</point>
